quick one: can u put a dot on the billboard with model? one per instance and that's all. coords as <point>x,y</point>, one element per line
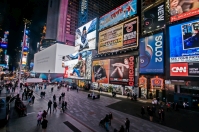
<point>85,38</point>
<point>181,9</point>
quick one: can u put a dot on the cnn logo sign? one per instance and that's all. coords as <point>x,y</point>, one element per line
<point>179,69</point>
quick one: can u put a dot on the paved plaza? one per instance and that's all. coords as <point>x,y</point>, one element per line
<point>83,114</point>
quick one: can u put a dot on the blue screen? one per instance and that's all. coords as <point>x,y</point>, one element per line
<point>151,54</point>
<point>184,42</point>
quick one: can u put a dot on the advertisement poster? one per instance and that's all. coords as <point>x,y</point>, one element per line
<point>4,40</point>
<point>157,83</point>
<point>122,71</point>
<point>152,54</point>
<point>100,72</point>
<point>143,86</point>
<point>184,49</point>
<point>75,65</point>
<point>85,38</point>
<point>122,36</point>
<point>120,13</point>
<point>181,9</point>
<point>154,18</point>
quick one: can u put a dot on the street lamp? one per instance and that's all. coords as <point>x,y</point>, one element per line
<point>26,21</point>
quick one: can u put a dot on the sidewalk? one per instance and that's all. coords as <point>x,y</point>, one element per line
<point>55,120</point>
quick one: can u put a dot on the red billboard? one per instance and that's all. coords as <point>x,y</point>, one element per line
<point>179,69</point>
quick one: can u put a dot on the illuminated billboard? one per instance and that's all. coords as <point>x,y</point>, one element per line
<point>77,65</point>
<point>181,9</point>
<point>114,71</point>
<point>119,37</point>
<point>85,38</point>
<point>4,40</point>
<point>184,49</point>
<point>154,18</point>
<point>120,13</point>
<point>152,53</point>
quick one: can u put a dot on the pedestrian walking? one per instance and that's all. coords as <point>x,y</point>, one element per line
<point>142,111</point>
<point>55,106</point>
<point>44,94</point>
<point>127,124</point>
<point>54,98</point>
<point>49,106</point>
<point>150,114</point>
<point>51,89</point>
<point>44,114</point>
<point>33,99</point>
<point>39,117</point>
<point>44,124</point>
<point>110,118</point>
<point>59,99</point>
<point>160,115</point>
<point>65,104</point>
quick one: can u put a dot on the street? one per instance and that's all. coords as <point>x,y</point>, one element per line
<point>83,114</point>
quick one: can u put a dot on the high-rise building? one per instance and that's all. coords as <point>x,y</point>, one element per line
<point>62,20</point>
<point>65,16</point>
<point>89,9</point>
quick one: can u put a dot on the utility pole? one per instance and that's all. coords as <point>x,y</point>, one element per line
<point>26,21</point>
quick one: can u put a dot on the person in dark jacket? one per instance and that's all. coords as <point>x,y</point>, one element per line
<point>150,114</point>
<point>62,106</point>
<point>110,118</point>
<point>54,98</point>
<point>127,124</point>
<point>142,111</point>
<point>106,119</point>
<point>121,128</point>
<point>33,99</point>
<point>49,106</point>
<point>153,109</point>
<point>54,106</point>
<point>44,124</point>
<point>59,99</point>
<point>65,105</point>
<point>44,114</point>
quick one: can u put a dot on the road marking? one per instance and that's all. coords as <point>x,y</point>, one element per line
<point>30,113</point>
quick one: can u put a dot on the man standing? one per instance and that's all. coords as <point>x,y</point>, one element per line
<point>49,106</point>
<point>54,106</point>
<point>127,124</point>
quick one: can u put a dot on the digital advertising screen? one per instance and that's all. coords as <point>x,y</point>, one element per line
<point>85,38</point>
<point>4,40</point>
<point>119,37</point>
<point>76,64</point>
<point>152,54</point>
<point>122,71</point>
<point>184,49</point>
<point>181,9</point>
<point>154,18</point>
<point>100,71</point>
<point>120,13</point>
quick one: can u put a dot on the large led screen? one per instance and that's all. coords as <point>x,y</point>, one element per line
<point>181,9</point>
<point>85,38</point>
<point>122,12</point>
<point>184,49</point>
<point>77,65</point>
<point>152,54</point>
<point>154,18</point>
<point>122,36</point>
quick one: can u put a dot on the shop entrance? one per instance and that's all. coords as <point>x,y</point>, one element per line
<point>155,93</point>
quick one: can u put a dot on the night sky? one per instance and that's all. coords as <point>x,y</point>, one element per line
<point>35,10</point>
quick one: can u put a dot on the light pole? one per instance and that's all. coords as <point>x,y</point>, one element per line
<point>26,21</point>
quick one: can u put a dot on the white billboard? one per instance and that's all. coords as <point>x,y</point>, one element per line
<point>85,38</point>
<point>49,60</point>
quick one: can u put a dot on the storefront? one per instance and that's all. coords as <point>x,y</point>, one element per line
<point>152,87</point>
